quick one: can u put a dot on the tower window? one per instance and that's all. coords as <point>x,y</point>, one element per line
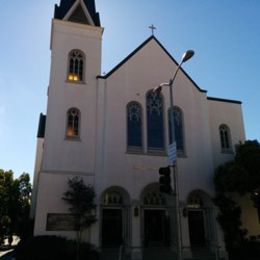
<point>76,66</point>
<point>73,120</point>
<point>225,139</point>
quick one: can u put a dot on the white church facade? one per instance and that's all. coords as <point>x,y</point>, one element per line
<point>113,132</point>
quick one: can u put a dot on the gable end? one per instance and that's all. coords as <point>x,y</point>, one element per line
<point>139,48</point>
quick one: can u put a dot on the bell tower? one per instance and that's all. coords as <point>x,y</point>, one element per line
<point>68,144</point>
<point>75,64</point>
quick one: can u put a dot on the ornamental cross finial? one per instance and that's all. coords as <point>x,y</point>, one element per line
<point>152,27</point>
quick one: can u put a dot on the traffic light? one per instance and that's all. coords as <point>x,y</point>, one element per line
<point>165,180</point>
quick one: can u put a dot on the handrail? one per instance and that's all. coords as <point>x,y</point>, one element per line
<point>122,250</point>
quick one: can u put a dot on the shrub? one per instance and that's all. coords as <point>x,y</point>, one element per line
<point>248,250</point>
<point>53,248</point>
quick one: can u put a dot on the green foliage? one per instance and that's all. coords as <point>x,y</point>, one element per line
<point>53,248</point>
<point>239,176</point>
<point>243,174</point>
<point>230,178</point>
<point>15,196</point>
<point>229,220</point>
<point>81,200</point>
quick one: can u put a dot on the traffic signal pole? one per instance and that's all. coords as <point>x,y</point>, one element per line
<point>186,56</point>
<point>175,177</point>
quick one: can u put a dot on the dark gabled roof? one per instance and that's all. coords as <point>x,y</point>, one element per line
<point>41,127</point>
<point>139,48</point>
<point>65,5</point>
<point>224,100</point>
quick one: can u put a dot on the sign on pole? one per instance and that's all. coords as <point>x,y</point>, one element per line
<point>172,153</point>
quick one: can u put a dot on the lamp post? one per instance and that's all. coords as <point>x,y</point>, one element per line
<point>186,56</point>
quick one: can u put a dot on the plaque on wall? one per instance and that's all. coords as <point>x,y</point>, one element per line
<point>60,222</point>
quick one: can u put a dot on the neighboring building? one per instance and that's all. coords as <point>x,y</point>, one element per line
<point>113,132</point>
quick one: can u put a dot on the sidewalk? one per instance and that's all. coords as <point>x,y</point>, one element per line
<point>6,255</point>
<point>6,250</point>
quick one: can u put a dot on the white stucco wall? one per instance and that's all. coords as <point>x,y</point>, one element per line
<point>64,158</point>
<point>37,169</point>
<point>145,70</point>
<point>230,114</point>
<point>100,157</point>
<point>61,154</point>
<point>249,214</point>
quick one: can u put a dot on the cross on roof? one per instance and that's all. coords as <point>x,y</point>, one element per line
<point>152,27</point>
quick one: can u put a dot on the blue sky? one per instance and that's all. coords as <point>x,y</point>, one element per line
<point>225,35</point>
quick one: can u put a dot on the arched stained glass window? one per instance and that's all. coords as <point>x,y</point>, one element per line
<point>134,126</point>
<point>225,138</point>
<point>73,121</point>
<point>155,129</point>
<point>154,198</point>
<point>178,128</point>
<point>113,198</point>
<point>195,200</point>
<point>76,65</point>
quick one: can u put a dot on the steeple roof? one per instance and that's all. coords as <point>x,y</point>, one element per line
<point>65,6</point>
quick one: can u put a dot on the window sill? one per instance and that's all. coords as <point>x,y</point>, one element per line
<point>227,151</point>
<point>135,151</point>
<point>181,154</point>
<point>157,153</point>
<point>74,139</point>
<point>75,82</point>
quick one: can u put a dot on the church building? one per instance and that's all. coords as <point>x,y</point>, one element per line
<point>113,131</point>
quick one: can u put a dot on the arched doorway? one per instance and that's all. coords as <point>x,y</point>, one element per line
<point>115,217</point>
<point>199,219</point>
<point>155,218</point>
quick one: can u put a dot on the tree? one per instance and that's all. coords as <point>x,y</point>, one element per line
<point>81,200</point>
<point>14,203</point>
<point>242,176</point>
<point>24,228</point>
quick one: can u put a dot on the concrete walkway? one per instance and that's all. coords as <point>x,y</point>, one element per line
<point>157,253</point>
<point>6,255</point>
<point>6,251</point>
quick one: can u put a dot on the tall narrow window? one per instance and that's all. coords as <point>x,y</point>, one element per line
<point>134,126</point>
<point>225,139</point>
<point>73,121</point>
<point>76,66</point>
<point>155,129</point>
<point>178,128</point>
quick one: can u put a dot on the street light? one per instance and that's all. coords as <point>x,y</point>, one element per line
<point>186,56</point>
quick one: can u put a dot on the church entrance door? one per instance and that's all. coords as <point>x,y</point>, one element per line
<point>154,227</point>
<point>196,228</point>
<point>112,227</point>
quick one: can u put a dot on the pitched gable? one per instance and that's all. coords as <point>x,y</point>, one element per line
<point>145,43</point>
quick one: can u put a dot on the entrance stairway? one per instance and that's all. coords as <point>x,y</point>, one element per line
<point>109,254</point>
<point>157,253</point>
<point>113,254</point>
<point>202,253</point>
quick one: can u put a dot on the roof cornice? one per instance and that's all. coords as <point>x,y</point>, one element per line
<point>224,100</point>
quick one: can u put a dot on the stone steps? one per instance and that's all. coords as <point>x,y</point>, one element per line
<point>157,253</point>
